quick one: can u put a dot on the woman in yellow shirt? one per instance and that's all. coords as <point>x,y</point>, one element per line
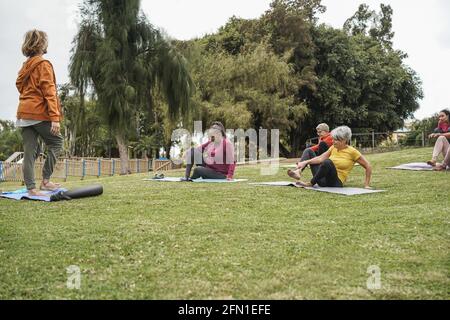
<point>335,165</point>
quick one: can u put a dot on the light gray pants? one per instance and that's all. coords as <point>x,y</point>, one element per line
<point>442,146</point>
<point>54,145</point>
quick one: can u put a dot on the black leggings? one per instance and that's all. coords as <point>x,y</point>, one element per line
<point>201,171</point>
<point>326,175</point>
<point>309,154</point>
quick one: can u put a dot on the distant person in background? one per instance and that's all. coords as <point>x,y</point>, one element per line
<point>442,133</point>
<point>335,165</point>
<point>325,142</point>
<point>215,158</point>
<point>39,112</point>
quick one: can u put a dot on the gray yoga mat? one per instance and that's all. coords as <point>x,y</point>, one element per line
<point>416,166</point>
<point>174,179</point>
<point>342,191</point>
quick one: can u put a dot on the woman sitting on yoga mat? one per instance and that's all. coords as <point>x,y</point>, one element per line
<point>325,142</point>
<point>332,168</point>
<point>39,112</point>
<point>214,159</point>
<point>442,146</point>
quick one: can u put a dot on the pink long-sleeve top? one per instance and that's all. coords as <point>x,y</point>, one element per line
<point>220,157</point>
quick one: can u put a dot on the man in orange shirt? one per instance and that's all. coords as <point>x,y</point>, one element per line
<point>39,112</point>
<point>325,142</point>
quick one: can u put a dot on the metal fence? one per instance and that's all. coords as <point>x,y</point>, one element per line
<point>79,168</point>
<point>92,167</point>
<point>380,141</point>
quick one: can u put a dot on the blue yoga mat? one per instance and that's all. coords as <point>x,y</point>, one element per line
<point>22,194</point>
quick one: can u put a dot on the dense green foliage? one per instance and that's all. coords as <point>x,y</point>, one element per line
<point>126,62</point>
<point>10,139</point>
<point>132,86</point>
<point>418,127</point>
<point>286,71</point>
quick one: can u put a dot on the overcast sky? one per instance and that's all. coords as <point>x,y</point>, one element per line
<point>422,29</point>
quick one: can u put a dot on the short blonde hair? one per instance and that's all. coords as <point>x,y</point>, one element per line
<point>323,127</point>
<point>35,43</point>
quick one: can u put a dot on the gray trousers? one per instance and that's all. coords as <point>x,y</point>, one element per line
<point>207,173</point>
<point>201,171</point>
<point>54,145</point>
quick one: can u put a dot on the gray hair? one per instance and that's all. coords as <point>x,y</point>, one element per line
<point>342,133</point>
<point>323,127</point>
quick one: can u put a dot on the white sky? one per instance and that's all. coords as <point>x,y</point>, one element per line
<point>422,30</point>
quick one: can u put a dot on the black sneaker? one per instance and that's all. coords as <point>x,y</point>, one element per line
<point>159,176</point>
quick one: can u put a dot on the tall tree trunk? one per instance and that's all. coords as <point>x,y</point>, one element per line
<point>167,149</point>
<point>73,138</point>
<point>297,140</point>
<point>123,151</point>
<point>284,152</point>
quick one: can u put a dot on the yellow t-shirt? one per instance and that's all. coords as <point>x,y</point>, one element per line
<point>344,160</point>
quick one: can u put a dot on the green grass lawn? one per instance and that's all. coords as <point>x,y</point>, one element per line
<point>147,240</point>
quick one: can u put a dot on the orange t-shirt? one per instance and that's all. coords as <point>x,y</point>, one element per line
<point>328,139</point>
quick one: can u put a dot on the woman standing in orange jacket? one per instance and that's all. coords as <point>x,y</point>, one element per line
<point>39,112</point>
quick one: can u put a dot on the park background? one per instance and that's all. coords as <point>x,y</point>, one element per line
<point>126,84</point>
<point>373,68</point>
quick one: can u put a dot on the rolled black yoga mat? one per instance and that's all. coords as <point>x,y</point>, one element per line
<point>84,192</point>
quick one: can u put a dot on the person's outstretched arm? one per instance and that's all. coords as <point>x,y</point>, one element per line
<point>437,135</point>
<point>366,165</point>
<point>316,160</point>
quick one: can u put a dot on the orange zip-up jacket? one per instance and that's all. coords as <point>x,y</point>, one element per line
<point>328,139</point>
<point>37,87</point>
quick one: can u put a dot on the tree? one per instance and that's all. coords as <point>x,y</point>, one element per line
<point>361,84</point>
<point>119,54</point>
<point>369,22</point>
<point>289,26</point>
<point>285,71</point>
<point>307,8</point>
<point>425,126</point>
<point>280,71</point>
<point>253,89</point>
<point>74,116</point>
<point>10,139</point>
<point>360,22</point>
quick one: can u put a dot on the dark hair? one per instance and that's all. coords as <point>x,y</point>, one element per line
<point>447,112</point>
<point>219,126</point>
